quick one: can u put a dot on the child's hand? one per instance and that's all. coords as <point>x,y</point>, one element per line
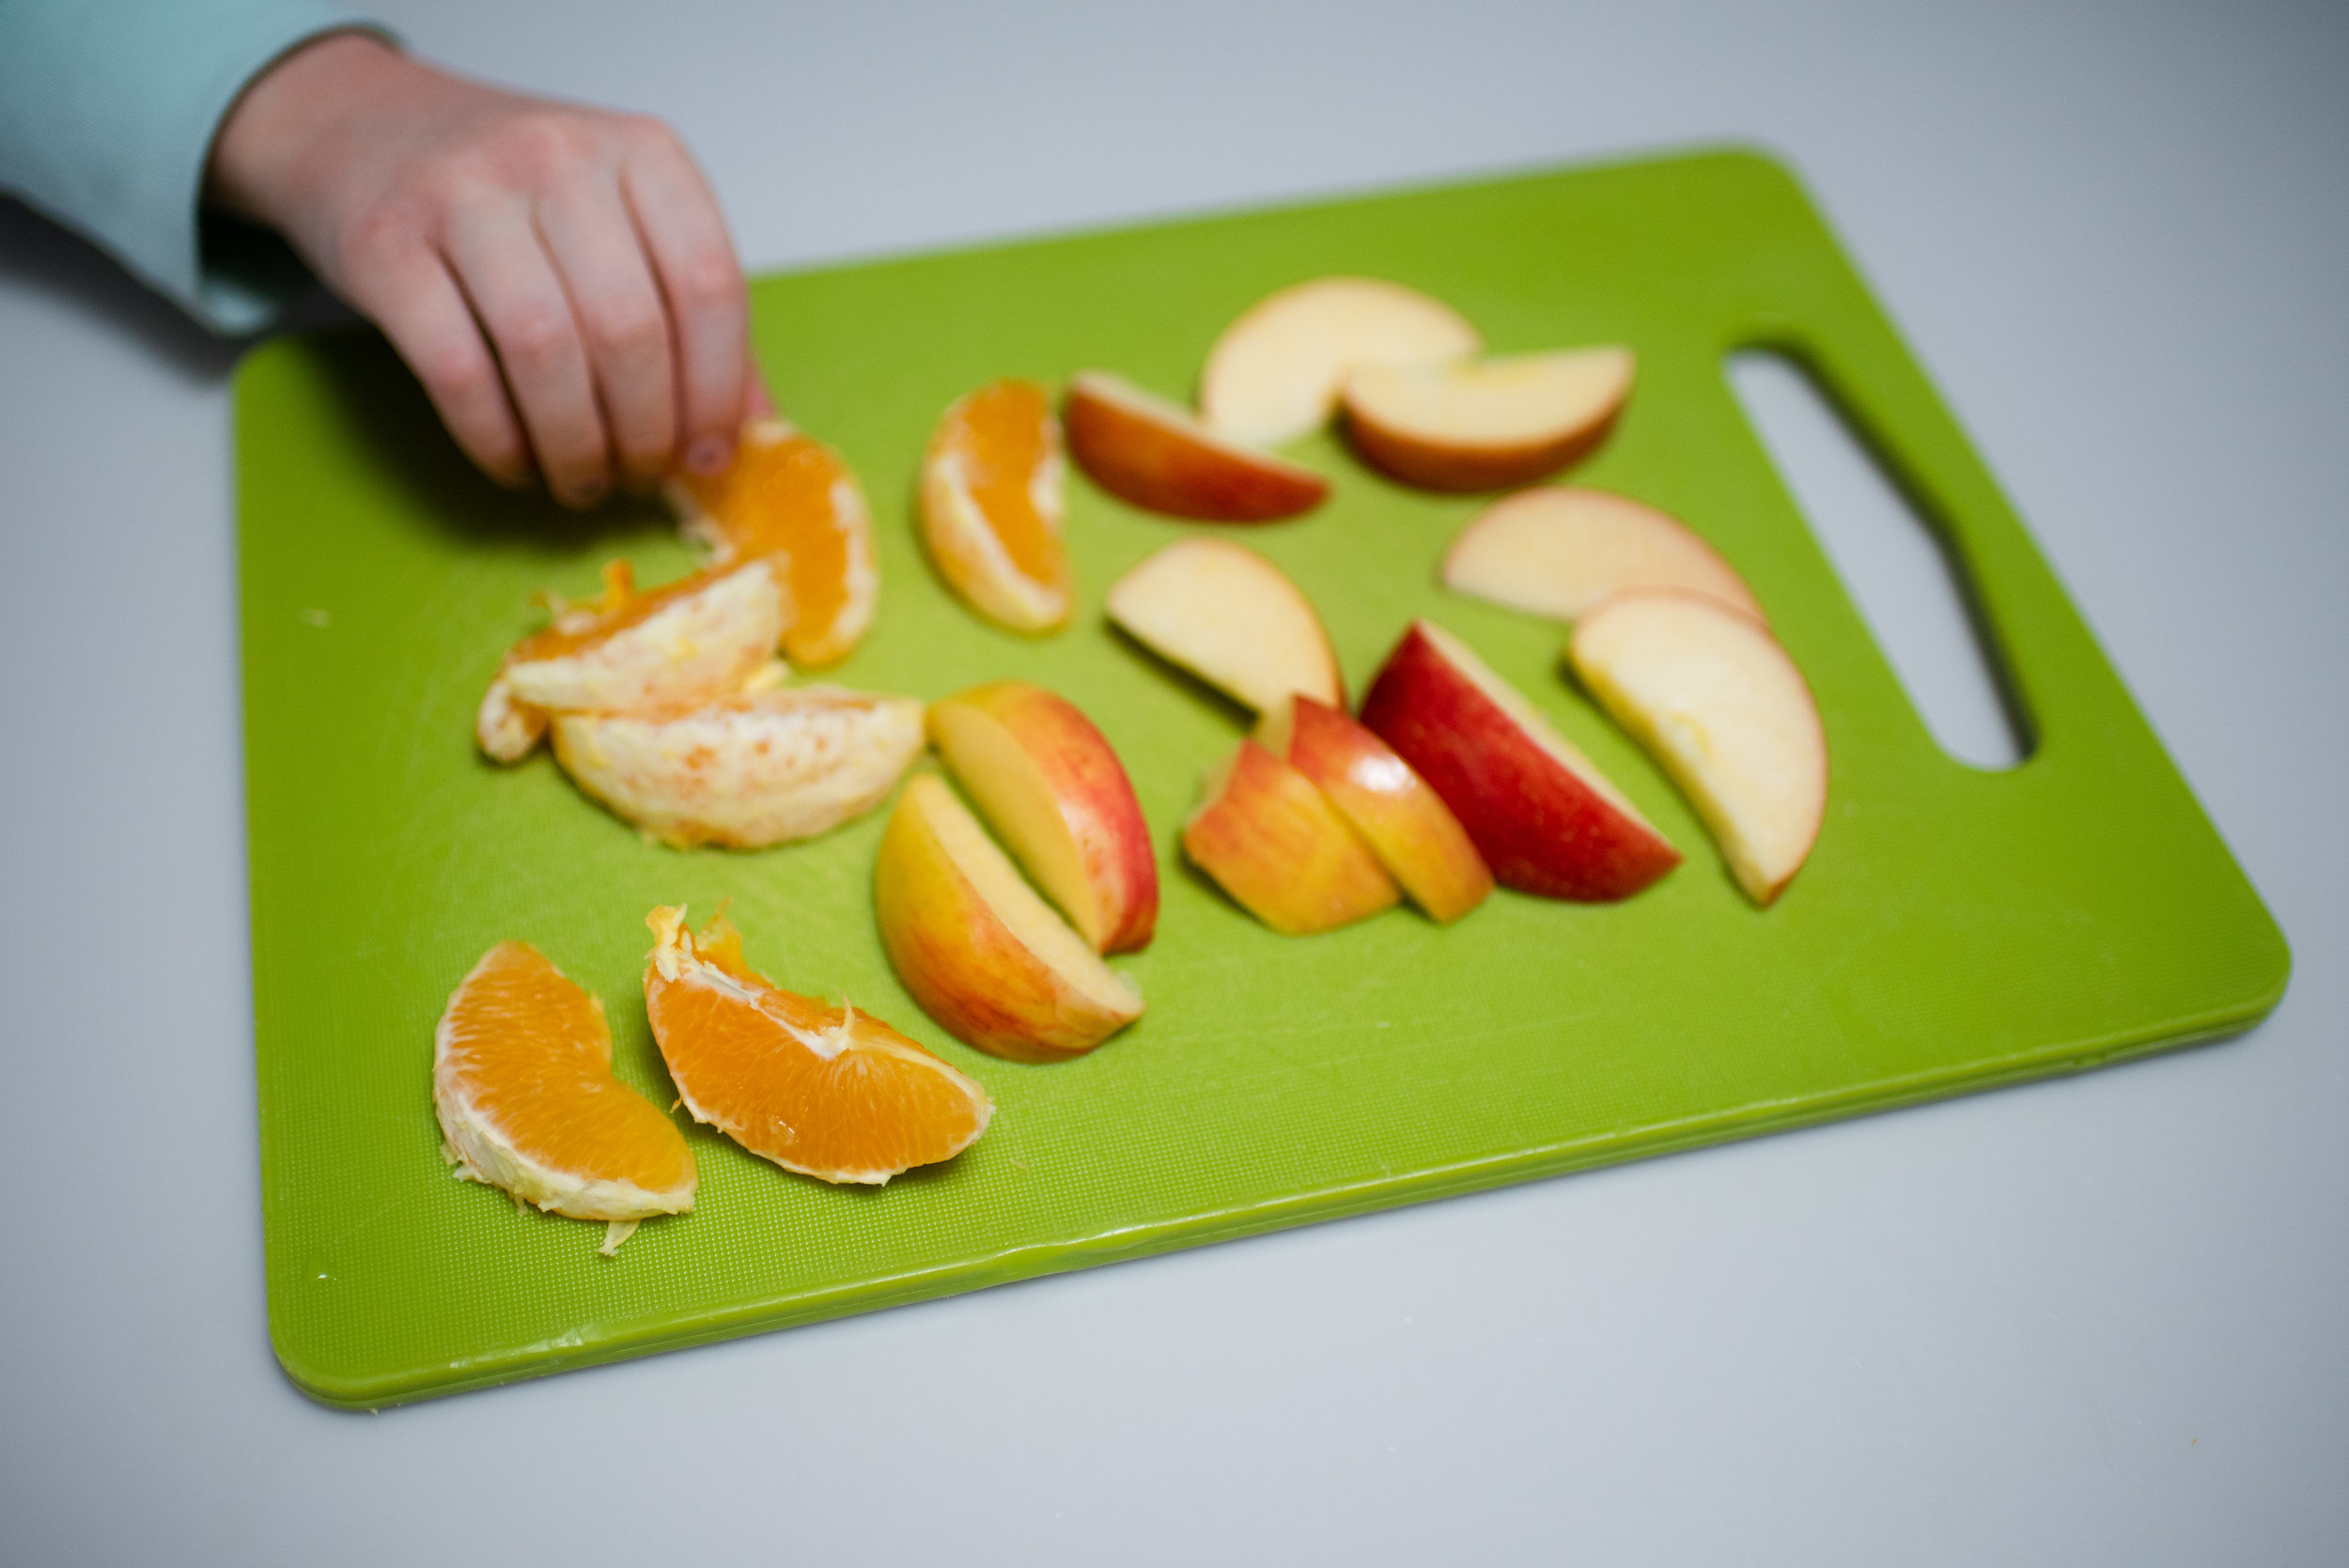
<point>585,244</point>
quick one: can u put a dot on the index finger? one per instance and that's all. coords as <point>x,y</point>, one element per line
<point>693,257</point>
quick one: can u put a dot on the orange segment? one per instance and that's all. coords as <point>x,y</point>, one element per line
<point>992,488</point>
<point>792,498</point>
<point>827,1092</point>
<point>698,638</point>
<point>521,1080</point>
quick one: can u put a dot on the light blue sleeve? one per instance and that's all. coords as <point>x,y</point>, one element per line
<point>107,113</point>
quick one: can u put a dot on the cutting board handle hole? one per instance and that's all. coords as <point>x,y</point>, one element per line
<point>1911,590</point>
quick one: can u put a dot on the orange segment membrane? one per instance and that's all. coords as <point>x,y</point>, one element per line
<point>1003,439</point>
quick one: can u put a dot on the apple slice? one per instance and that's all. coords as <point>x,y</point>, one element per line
<point>1557,550</point>
<point>981,953</point>
<point>1721,706</point>
<point>1276,843</point>
<point>1047,782</point>
<point>765,765</point>
<point>1542,815</point>
<point>1144,449</point>
<point>1485,425</point>
<point>1226,614</point>
<point>1275,373</point>
<point>1407,824</point>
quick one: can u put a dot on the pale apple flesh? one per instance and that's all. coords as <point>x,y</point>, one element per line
<point>766,766</point>
<point>1275,373</point>
<point>1229,616</point>
<point>1558,550</point>
<point>1542,815</point>
<point>1485,425</point>
<point>1407,825</point>
<point>1156,454</point>
<point>1051,786</point>
<point>1722,707</point>
<point>978,949</point>
<point>1272,840</point>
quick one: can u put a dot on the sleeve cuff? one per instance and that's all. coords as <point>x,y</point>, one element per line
<point>108,109</point>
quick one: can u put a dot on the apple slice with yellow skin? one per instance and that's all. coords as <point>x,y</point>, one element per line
<point>1229,616</point>
<point>1275,372</point>
<point>1542,815</point>
<point>1722,707</point>
<point>1273,841</point>
<point>1156,454</point>
<point>1406,824</point>
<point>1051,786</point>
<point>982,954</point>
<point>1485,425</point>
<point>1558,550</point>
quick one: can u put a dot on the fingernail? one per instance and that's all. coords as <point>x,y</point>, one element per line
<point>588,493</point>
<point>709,455</point>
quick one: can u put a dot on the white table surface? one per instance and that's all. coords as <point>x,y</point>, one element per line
<point>2092,1321</point>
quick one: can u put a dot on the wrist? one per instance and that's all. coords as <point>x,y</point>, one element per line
<point>293,119</point>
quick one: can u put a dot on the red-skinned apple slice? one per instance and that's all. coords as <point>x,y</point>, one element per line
<point>1558,550</point>
<point>1053,789</point>
<point>1724,710</point>
<point>1275,372</point>
<point>982,954</point>
<point>1274,842</point>
<point>1229,616</point>
<point>1542,815</point>
<point>1406,824</point>
<point>1485,425</point>
<point>1154,454</point>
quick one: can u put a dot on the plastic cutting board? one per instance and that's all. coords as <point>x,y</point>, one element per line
<point>1954,929</point>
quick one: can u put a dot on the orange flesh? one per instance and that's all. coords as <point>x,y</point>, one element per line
<point>529,1051</point>
<point>780,499</point>
<point>1002,434</point>
<point>880,1104</point>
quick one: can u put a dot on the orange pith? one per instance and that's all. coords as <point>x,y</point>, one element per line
<point>620,607</point>
<point>792,497</point>
<point>1003,433</point>
<point>524,1054</point>
<point>827,1092</point>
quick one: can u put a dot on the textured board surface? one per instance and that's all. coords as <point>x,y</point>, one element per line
<point>1954,930</point>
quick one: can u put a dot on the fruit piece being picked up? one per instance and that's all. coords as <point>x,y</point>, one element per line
<point>791,499</point>
<point>764,766</point>
<point>523,1084</point>
<point>693,640</point>
<point>827,1092</point>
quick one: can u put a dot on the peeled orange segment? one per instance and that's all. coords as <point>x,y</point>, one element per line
<point>827,1092</point>
<point>792,499</point>
<point>759,768</point>
<point>521,1080</point>
<point>1276,371</point>
<point>691,641</point>
<point>993,486</point>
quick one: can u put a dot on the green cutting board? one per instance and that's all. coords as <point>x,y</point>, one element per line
<point>1954,929</point>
